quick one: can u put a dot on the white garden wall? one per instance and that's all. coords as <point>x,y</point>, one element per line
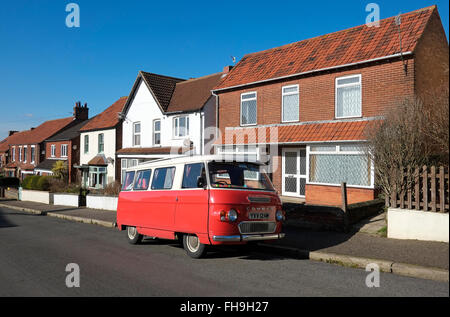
<point>66,199</point>
<point>417,225</point>
<point>37,196</point>
<point>101,202</point>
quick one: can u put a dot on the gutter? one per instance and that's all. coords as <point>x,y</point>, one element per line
<point>316,71</point>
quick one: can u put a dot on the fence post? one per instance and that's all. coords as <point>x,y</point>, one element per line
<point>344,206</point>
<point>441,189</point>
<point>425,188</point>
<point>417,189</point>
<point>433,188</point>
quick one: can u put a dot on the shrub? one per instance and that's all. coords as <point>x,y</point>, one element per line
<point>43,183</point>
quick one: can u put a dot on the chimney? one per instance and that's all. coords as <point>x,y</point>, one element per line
<point>80,112</point>
<point>227,69</point>
<point>11,132</point>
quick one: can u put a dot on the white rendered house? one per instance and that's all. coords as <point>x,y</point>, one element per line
<point>165,117</point>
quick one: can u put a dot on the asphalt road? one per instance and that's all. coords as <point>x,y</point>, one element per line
<point>34,252</point>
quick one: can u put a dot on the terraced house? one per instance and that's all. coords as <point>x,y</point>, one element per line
<point>314,99</point>
<point>26,149</point>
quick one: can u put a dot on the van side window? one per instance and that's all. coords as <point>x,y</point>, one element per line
<point>163,178</point>
<point>142,180</point>
<point>192,172</point>
<point>128,183</point>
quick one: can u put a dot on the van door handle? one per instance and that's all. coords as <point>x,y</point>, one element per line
<point>176,198</point>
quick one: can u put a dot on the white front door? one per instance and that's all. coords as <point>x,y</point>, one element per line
<point>294,172</point>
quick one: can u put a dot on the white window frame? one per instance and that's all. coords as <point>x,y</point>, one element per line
<point>336,86</point>
<point>103,143</point>
<point>64,152</point>
<point>13,153</point>
<point>156,132</point>
<point>53,150</point>
<point>20,154</point>
<point>288,94</point>
<point>137,134</point>
<point>176,127</point>
<point>86,148</point>
<point>339,152</point>
<point>256,110</point>
<point>25,149</point>
<point>32,154</point>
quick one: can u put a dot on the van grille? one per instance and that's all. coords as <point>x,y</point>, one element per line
<point>257,227</point>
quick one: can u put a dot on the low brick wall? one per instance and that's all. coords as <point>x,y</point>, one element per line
<point>37,196</point>
<point>332,196</point>
<point>66,199</point>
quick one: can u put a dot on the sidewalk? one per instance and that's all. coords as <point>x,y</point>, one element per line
<point>357,249</point>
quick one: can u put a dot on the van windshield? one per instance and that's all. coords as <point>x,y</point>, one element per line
<point>238,176</point>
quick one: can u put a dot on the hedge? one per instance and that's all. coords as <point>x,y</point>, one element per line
<point>36,182</point>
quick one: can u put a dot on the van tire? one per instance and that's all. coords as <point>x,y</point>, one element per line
<point>193,247</point>
<point>134,237</point>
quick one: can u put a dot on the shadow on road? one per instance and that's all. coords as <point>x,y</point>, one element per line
<point>4,221</point>
<point>243,252</point>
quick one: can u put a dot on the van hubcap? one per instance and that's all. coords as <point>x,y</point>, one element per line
<point>132,232</point>
<point>192,243</point>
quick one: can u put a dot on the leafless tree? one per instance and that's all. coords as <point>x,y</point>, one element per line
<point>396,144</point>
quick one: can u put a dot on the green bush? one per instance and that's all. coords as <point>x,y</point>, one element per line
<point>43,183</point>
<point>36,182</point>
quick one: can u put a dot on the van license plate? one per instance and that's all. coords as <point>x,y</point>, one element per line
<point>258,215</point>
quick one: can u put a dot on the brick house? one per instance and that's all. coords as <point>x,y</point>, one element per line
<point>65,146</point>
<point>100,138</point>
<point>26,149</point>
<point>305,106</point>
<point>166,116</point>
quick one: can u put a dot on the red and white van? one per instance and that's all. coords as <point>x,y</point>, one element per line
<point>203,200</point>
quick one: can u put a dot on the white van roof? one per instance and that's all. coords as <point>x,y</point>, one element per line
<point>187,159</point>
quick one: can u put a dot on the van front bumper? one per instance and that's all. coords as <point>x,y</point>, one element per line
<point>249,237</point>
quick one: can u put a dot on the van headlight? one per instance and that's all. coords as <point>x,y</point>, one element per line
<point>279,215</point>
<point>232,215</point>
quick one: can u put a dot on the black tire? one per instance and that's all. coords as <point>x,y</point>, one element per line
<point>193,247</point>
<point>134,237</point>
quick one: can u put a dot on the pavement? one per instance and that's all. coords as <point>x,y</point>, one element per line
<point>363,245</point>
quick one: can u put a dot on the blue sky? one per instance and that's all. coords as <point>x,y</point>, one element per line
<point>45,67</point>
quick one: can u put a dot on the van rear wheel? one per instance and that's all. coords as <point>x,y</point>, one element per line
<point>193,247</point>
<point>134,237</point>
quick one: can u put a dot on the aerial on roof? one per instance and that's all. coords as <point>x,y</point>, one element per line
<point>354,45</point>
<point>108,118</point>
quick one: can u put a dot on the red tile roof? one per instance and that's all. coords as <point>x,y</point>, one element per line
<point>40,133</point>
<point>299,133</point>
<point>107,119</point>
<point>357,44</point>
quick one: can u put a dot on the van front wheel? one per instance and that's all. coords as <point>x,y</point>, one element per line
<point>193,247</point>
<point>134,237</point>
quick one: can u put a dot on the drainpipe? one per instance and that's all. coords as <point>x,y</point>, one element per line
<point>217,111</point>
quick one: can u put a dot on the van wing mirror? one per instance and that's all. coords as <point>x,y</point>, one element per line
<point>201,182</point>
